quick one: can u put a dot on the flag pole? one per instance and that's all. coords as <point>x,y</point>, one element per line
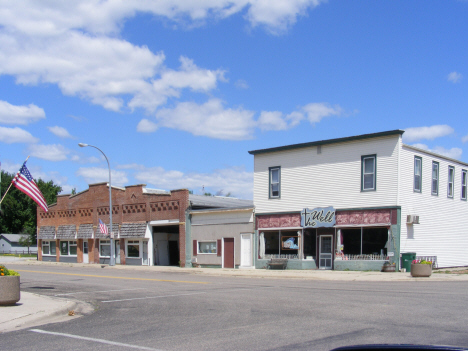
<point>12,182</point>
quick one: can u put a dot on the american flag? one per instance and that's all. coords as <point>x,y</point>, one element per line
<point>24,182</point>
<point>103,227</point>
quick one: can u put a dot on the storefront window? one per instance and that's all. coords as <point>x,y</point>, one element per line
<point>133,248</point>
<point>364,241</point>
<point>207,247</point>
<point>104,248</point>
<point>45,248</point>
<point>284,243</point>
<point>67,248</point>
<point>310,244</point>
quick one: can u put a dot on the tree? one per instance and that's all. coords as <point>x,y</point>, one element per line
<point>19,211</point>
<point>26,240</point>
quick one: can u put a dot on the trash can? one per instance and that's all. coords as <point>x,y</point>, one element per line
<point>406,259</point>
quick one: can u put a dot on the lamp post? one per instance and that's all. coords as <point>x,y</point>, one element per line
<point>112,248</point>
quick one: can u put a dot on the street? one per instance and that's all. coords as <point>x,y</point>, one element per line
<point>145,309</point>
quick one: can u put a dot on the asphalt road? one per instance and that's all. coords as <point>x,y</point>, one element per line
<point>181,311</point>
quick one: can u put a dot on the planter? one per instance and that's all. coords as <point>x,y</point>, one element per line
<point>388,268</point>
<point>9,290</point>
<point>421,270</point>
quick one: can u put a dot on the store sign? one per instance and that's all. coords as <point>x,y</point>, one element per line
<point>318,217</point>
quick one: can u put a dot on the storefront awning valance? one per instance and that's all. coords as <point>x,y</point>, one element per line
<point>66,232</point>
<point>46,232</point>
<point>85,231</point>
<point>133,230</point>
<point>115,229</point>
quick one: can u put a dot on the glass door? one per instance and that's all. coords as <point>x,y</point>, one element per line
<point>326,252</point>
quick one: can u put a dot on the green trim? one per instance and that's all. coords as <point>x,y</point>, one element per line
<point>374,156</point>
<point>270,196</point>
<point>453,182</point>
<point>420,175</point>
<point>329,141</point>
<point>188,239</point>
<point>466,185</point>
<point>436,193</point>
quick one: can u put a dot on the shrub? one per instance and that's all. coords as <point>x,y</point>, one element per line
<point>4,271</point>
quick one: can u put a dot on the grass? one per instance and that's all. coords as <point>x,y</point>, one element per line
<point>19,255</point>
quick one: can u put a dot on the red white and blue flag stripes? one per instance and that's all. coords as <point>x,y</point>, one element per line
<point>103,227</point>
<point>24,182</point>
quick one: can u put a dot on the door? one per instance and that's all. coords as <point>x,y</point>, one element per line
<point>228,253</point>
<point>173,253</point>
<point>117,252</point>
<point>163,253</point>
<point>85,251</point>
<point>246,250</point>
<point>325,252</point>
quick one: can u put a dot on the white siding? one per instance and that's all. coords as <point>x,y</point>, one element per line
<point>332,178</point>
<point>443,228</point>
<point>225,217</point>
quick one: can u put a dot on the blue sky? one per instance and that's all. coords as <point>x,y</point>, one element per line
<point>177,92</point>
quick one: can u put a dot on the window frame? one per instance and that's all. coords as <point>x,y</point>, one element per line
<point>46,243</point>
<point>207,242</point>
<point>435,191</point>
<point>417,158</point>
<point>133,243</point>
<point>363,174</point>
<point>451,183</point>
<point>464,188</point>
<point>104,242</point>
<point>270,182</point>
<point>70,244</point>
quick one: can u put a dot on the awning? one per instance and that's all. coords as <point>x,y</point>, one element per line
<point>85,231</point>
<point>66,232</point>
<point>133,230</point>
<point>46,232</point>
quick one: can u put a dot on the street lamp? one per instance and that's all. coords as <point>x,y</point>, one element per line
<point>112,258</point>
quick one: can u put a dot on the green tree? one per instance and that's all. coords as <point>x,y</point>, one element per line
<point>26,240</point>
<point>18,211</point>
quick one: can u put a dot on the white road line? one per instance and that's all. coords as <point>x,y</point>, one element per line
<point>103,291</point>
<point>154,297</point>
<point>95,340</point>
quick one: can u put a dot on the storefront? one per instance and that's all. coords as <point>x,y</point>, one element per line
<point>327,238</point>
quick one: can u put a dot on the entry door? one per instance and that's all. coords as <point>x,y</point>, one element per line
<point>163,253</point>
<point>246,250</point>
<point>326,252</point>
<point>117,252</point>
<point>85,251</point>
<point>228,253</point>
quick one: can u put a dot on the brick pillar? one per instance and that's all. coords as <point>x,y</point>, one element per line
<point>96,251</point>
<point>123,258</point>
<point>79,251</point>
<point>57,250</point>
<point>39,249</point>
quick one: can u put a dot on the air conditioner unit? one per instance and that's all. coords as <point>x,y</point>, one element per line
<point>412,219</point>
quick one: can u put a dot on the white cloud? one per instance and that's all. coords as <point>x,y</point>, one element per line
<point>210,119</point>
<point>16,135</point>
<point>454,152</point>
<point>146,126</point>
<point>237,181</point>
<point>97,175</point>
<point>241,84</point>
<point>13,114</point>
<point>53,152</point>
<point>454,77</point>
<point>315,111</point>
<point>465,139</point>
<point>272,121</point>
<point>428,133</point>
<point>60,132</point>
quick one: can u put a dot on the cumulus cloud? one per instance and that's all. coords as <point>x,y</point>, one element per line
<point>53,152</point>
<point>454,77</point>
<point>60,132</point>
<point>146,126</point>
<point>427,133</point>
<point>465,139</point>
<point>210,119</point>
<point>241,84</point>
<point>16,135</point>
<point>97,175</point>
<point>236,181</point>
<point>454,152</point>
<point>13,114</point>
<point>272,121</point>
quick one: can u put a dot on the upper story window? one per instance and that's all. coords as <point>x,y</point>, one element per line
<point>417,174</point>
<point>463,184</point>
<point>435,178</point>
<point>451,175</point>
<point>368,172</point>
<point>275,182</point>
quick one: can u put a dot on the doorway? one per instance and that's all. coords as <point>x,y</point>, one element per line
<point>228,252</point>
<point>326,252</point>
<point>246,250</point>
<point>85,251</point>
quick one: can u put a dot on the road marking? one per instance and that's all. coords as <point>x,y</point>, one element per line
<point>94,339</point>
<point>102,291</point>
<point>109,277</point>
<point>154,297</point>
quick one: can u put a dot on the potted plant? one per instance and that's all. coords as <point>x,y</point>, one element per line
<point>388,267</point>
<point>9,286</point>
<point>421,268</point>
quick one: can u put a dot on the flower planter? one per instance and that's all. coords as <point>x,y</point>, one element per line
<point>421,270</point>
<point>388,268</point>
<point>9,290</point>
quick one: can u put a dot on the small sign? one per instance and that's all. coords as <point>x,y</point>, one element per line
<point>112,235</point>
<point>318,217</point>
<point>390,254</point>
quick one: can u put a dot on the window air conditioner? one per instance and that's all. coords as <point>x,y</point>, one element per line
<point>409,219</point>
<point>416,219</point>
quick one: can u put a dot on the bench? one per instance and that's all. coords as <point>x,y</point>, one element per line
<point>277,262</point>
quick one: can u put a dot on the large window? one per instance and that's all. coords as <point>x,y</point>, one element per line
<point>435,178</point>
<point>275,182</point>
<point>68,248</point>
<point>463,184</point>
<point>365,241</point>
<point>368,173</point>
<point>207,247</point>
<point>281,244</point>
<point>417,174</point>
<point>48,247</point>
<point>104,248</point>
<point>451,175</point>
<point>133,248</point>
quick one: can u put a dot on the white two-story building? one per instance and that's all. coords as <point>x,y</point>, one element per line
<point>358,202</point>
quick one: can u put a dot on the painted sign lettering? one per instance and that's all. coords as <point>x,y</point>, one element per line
<point>318,217</point>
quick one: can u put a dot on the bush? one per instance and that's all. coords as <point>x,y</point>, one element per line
<point>4,271</point>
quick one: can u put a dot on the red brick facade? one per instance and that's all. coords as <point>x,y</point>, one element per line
<point>129,205</point>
